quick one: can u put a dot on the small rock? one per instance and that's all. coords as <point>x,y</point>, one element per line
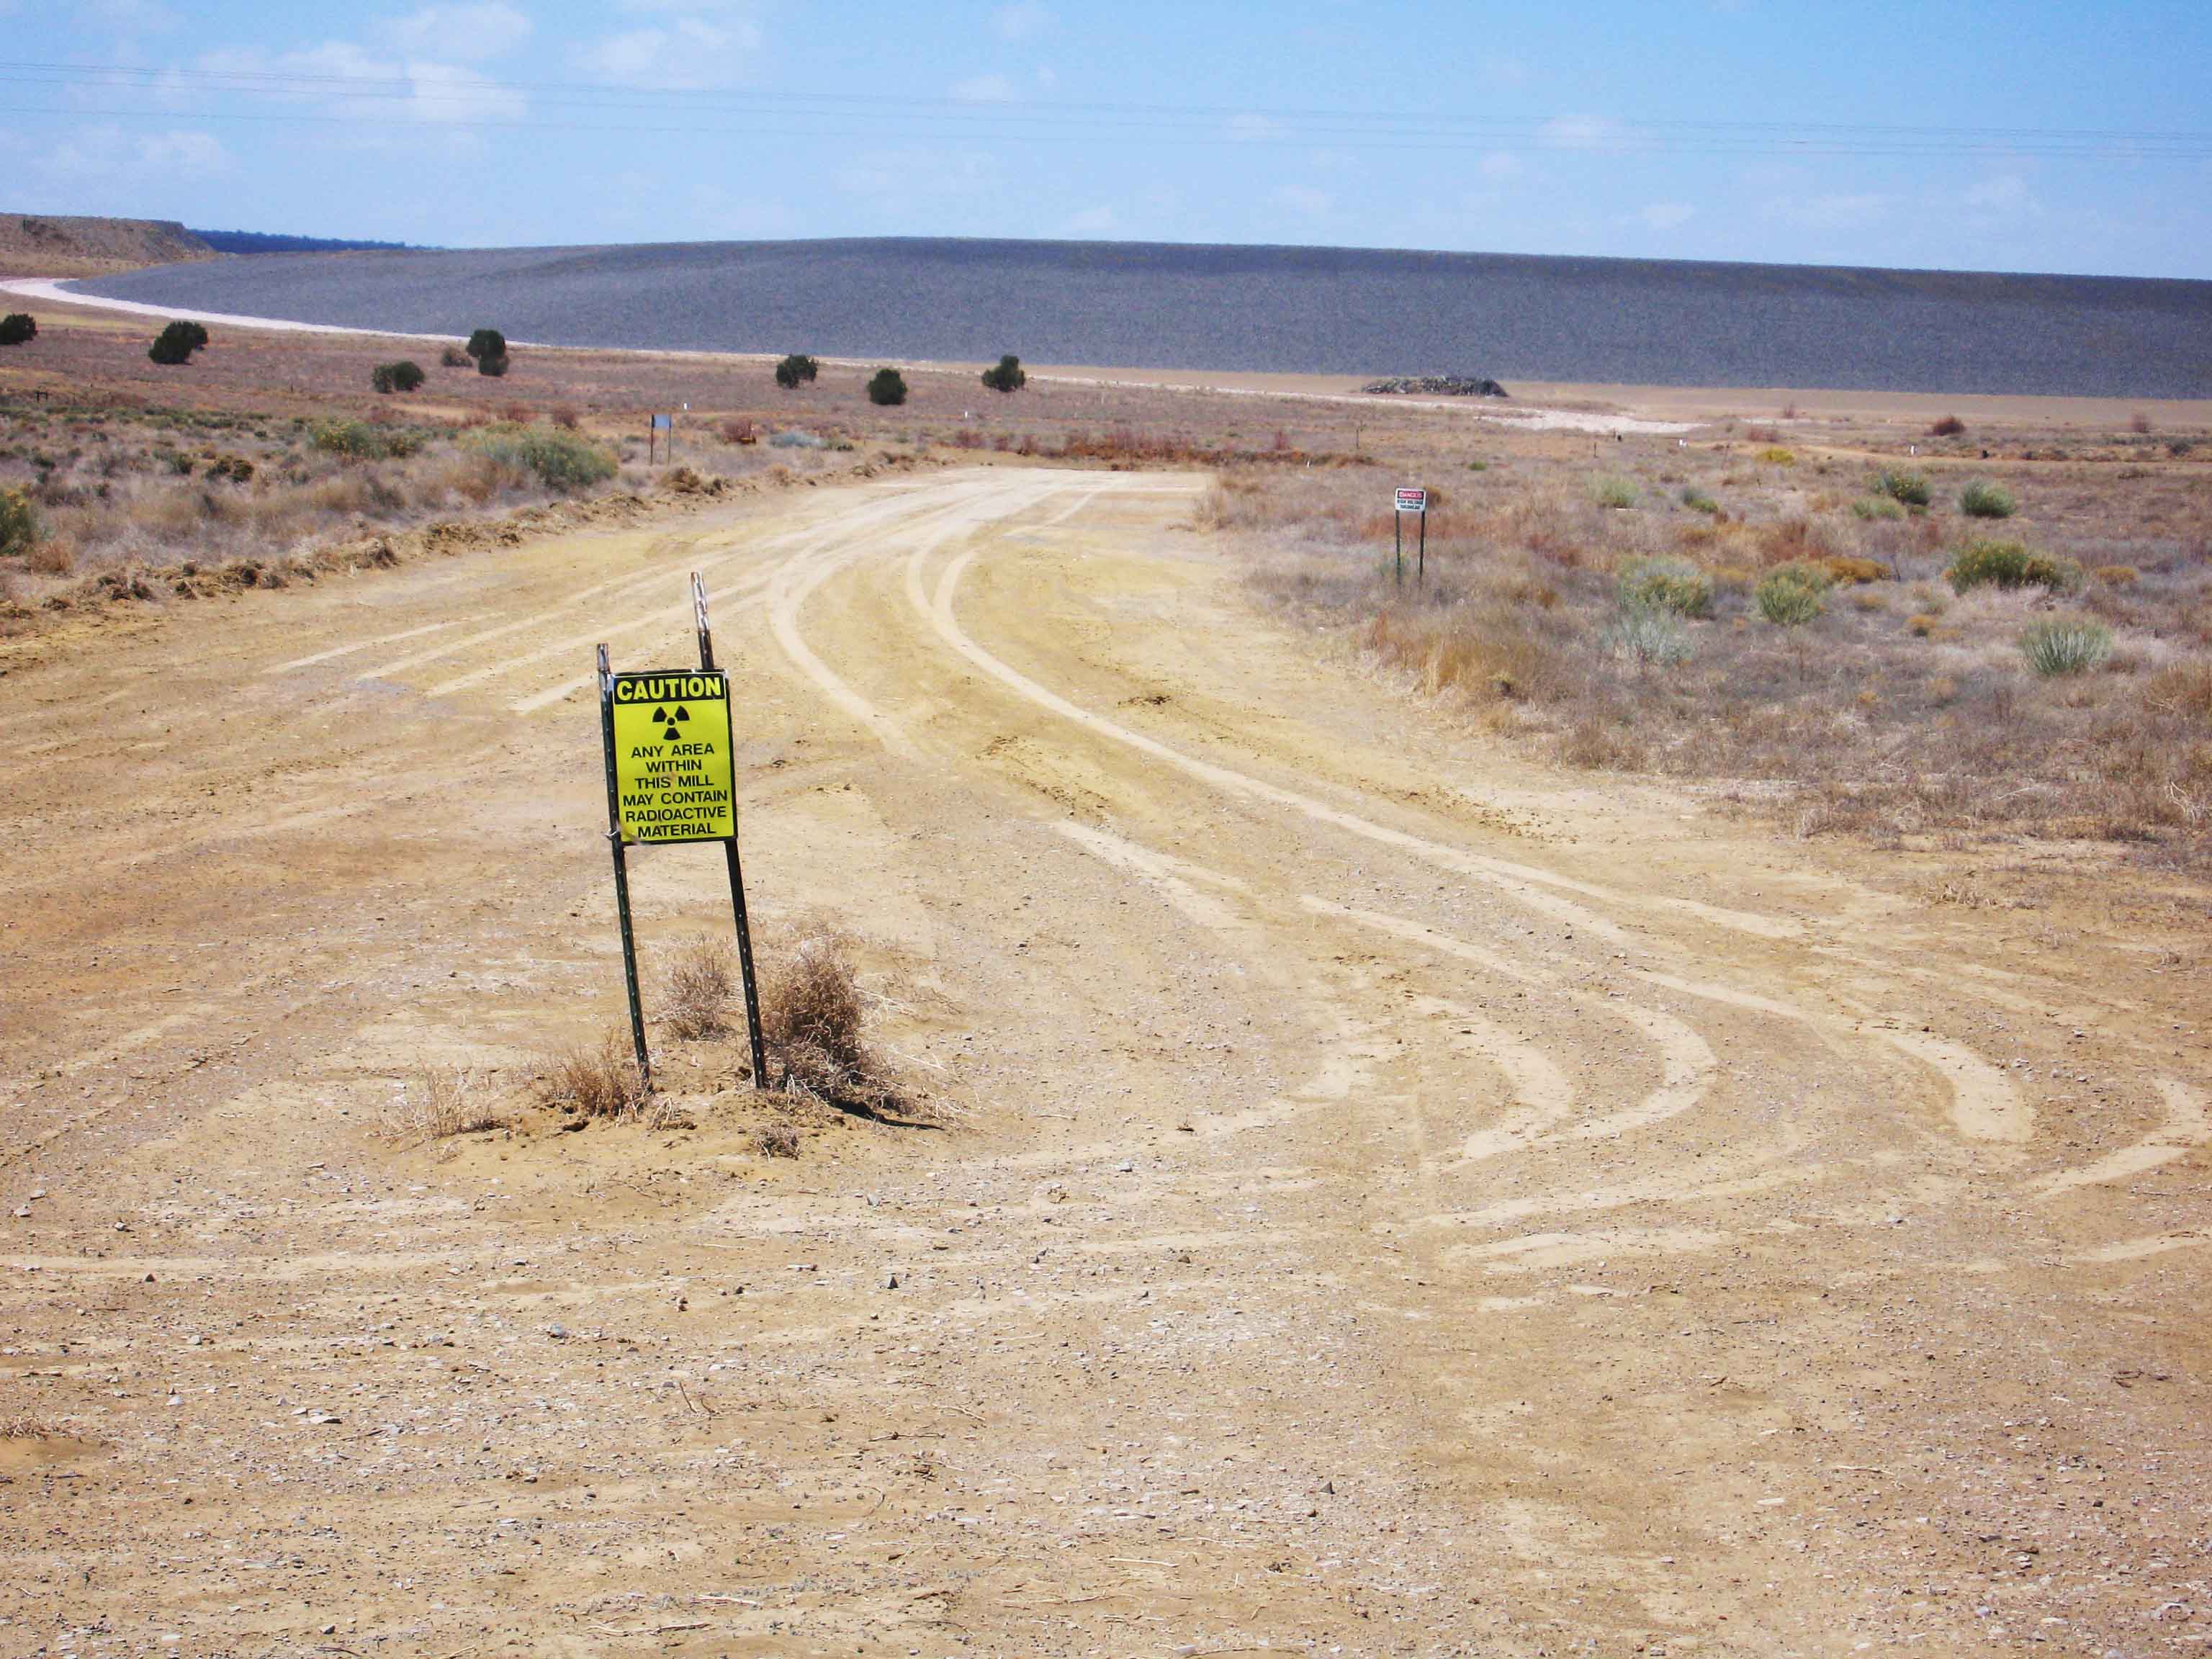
<point>891,1281</point>
<point>1126,1166</point>
<point>558,1333</point>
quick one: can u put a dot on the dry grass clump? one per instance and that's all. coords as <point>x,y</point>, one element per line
<point>701,978</point>
<point>778,1139</point>
<point>813,1015</point>
<point>597,1082</point>
<point>439,1104</point>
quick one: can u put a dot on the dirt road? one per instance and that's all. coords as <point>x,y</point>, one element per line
<point>1397,1199</point>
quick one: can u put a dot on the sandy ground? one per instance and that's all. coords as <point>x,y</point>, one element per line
<point>1396,1200</point>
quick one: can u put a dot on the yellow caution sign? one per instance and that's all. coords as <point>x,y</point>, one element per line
<point>675,775</point>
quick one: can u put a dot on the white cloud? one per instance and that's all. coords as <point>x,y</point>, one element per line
<point>1020,22</point>
<point>1501,164</point>
<point>1578,132</point>
<point>1093,221</point>
<point>2005,197</point>
<point>1304,199</point>
<point>463,33</point>
<point>984,89</point>
<point>183,151</point>
<point>1666,215</point>
<point>447,93</point>
<point>688,53</point>
<point>1832,211</point>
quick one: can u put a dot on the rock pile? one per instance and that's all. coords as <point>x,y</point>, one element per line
<point>1440,386</point>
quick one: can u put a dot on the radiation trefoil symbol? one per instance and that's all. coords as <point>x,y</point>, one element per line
<point>668,722</point>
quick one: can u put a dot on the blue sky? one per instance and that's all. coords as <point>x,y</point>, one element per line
<point>2038,137</point>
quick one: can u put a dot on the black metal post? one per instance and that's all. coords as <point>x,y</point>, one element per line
<point>1398,542</point>
<point>1421,558</point>
<point>622,873</point>
<point>737,870</point>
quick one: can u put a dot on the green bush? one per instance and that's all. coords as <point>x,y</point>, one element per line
<point>796,370</point>
<point>396,377</point>
<point>1877,506</point>
<point>18,328</point>
<point>559,460</point>
<point>486,343</point>
<point>1791,595</point>
<point>364,441</point>
<point>1008,376</point>
<point>1674,584</point>
<point>2065,645</point>
<point>1910,488</point>
<point>1697,501</point>
<point>1646,635</point>
<point>494,365</point>
<point>2009,564</point>
<point>887,388</point>
<point>19,522</point>
<point>1984,499</point>
<point>1607,489</point>
<point>176,344</point>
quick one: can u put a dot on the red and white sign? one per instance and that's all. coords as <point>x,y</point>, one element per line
<point>1412,501</point>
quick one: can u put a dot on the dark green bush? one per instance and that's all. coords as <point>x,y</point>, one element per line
<point>396,377</point>
<point>17,328</point>
<point>887,388</point>
<point>494,365</point>
<point>1666,584</point>
<point>1008,376</point>
<point>796,370</point>
<point>176,344</point>
<point>2009,564</point>
<point>486,343</point>
<point>1791,595</point>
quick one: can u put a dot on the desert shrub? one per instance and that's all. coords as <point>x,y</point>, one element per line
<point>1982,500</point>
<point>1877,506</point>
<point>494,365</point>
<point>361,440</point>
<point>795,439</point>
<point>454,357</point>
<point>887,388</point>
<point>2065,645</point>
<point>1674,584</point>
<point>1843,567</point>
<point>439,1104</point>
<point>796,370</point>
<point>698,991</point>
<point>236,468</point>
<point>19,523</point>
<point>1610,490</point>
<point>1791,595</point>
<point>776,1140</point>
<point>2182,690</point>
<point>2117,575</point>
<point>1646,635</point>
<point>1776,455</point>
<point>1949,427</point>
<point>1697,501</point>
<point>396,377</point>
<point>1008,376</point>
<point>1910,488</point>
<point>2009,564</point>
<point>175,343</point>
<point>18,328</point>
<point>559,460</point>
<point>596,1082</point>
<point>566,418</point>
<point>486,343</point>
<point>812,1018</point>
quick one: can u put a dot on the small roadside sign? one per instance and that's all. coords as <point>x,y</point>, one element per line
<point>675,773</point>
<point>663,422</point>
<point>1412,501</point>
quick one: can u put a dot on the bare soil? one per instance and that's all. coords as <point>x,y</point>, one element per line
<point>1392,1195</point>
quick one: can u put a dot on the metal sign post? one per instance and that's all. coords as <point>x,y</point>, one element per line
<point>737,870</point>
<point>671,777</point>
<point>1411,500</point>
<point>622,871</point>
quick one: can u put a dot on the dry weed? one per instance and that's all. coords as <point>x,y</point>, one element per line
<point>812,1014</point>
<point>597,1082</point>
<point>699,980</point>
<point>439,1104</point>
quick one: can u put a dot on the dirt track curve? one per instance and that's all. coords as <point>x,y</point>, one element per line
<point>1402,1200</point>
